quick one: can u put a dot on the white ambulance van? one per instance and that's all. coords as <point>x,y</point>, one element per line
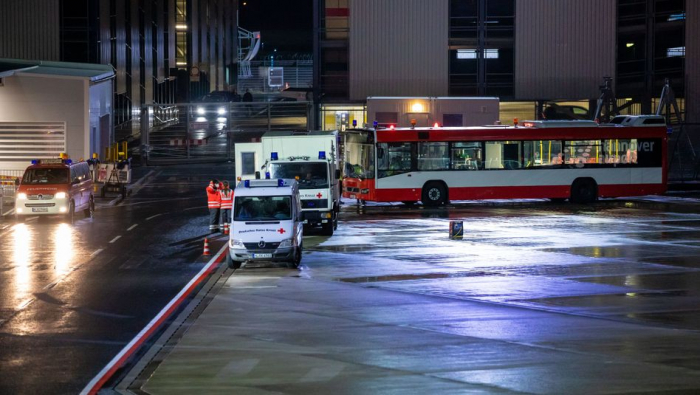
<point>267,223</point>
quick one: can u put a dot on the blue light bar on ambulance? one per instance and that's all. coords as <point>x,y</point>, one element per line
<point>354,123</point>
<point>280,182</point>
<point>267,175</point>
<point>321,154</point>
<point>246,183</point>
<point>35,161</point>
<point>375,124</point>
<point>274,156</point>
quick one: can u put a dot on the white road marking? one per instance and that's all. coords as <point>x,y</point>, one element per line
<point>132,227</point>
<point>153,216</point>
<point>96,252</point>
<point>115,239</point>
<point>32,219</point>
<point>25,304</point>
<point>53,284</point>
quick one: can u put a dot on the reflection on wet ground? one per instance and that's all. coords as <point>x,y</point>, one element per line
<point>624,260</point>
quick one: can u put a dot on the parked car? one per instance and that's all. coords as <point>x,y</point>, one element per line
<point>554,111</point>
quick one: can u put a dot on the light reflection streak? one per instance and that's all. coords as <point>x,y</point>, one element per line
<point>21,257</point>
<point>63,239</point>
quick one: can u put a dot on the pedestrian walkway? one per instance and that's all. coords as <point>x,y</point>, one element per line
<point>276,331</point>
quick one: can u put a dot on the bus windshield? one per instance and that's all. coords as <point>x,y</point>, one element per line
<point>309,175</point>
<point>359,156</point>
<point>262,208</point>
<point>46,176</point>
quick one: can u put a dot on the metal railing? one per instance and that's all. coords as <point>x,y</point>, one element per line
<point>208,131</point>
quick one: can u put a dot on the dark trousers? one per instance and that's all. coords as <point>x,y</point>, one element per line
<point>214,218</point>
<point>225,215</point>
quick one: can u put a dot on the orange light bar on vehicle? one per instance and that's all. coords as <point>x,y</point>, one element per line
<point>515,122</point>
<point>436,125</point>
<point>528,124</point>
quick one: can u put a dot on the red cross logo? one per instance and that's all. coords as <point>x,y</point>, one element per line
<point>319,195</point>
<point>281,230</point>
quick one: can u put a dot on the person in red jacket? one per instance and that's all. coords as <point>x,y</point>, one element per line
<point>226,194</point>
<point>214,204</point>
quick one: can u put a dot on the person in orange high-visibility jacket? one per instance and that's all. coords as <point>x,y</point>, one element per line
<point>214,204</point>
<point>226,194</point>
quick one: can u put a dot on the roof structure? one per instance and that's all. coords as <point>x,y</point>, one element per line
<point>93,72</point>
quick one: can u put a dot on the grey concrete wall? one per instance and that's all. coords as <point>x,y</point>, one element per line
<point>564,48</point>
<point>398,48</point>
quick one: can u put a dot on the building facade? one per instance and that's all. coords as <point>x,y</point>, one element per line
<point>163,51</point>
<point>527,52</point>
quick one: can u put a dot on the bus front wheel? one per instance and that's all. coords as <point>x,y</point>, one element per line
<point>434,194</point>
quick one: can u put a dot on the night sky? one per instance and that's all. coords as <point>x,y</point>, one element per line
<point>285,25</point>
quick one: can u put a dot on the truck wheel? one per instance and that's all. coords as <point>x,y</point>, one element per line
<point>231,263</point>
<point>434,194</point>
<point>327,228</point>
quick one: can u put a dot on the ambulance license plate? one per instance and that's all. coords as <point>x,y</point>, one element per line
<point>261,256</point>
<point>40,210</point>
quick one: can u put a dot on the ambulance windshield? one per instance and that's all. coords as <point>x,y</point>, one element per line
<point>45,176</point>
<point>262,208</point>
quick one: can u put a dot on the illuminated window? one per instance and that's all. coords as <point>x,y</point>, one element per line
<point>466,54</point>
<point>490,54</point>
<point>675,52</point>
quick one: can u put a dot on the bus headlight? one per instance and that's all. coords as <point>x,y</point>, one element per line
<point>60,195</point>
<point>21,196</point>
<point>286,243</point>
<point>235,244</point>
<point>200,111</point>
<point>221,111</point>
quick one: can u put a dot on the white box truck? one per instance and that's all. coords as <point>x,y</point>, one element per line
<point>311,157</point>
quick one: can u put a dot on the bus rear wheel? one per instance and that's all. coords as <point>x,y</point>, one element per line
<point>434,194</point>
<point>584,191</point>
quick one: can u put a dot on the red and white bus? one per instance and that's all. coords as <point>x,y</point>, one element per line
<point>576,160</point>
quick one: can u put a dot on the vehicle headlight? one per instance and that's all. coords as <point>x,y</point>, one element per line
<point>221,111</point>
<point>21,196</point>
<point>60,195</point>
<point>200,110</point>
<point>233,243</point>
<point>286,243</point>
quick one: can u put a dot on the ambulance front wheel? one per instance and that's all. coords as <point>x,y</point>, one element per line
<point>294,263</point>
<point>231,263</point>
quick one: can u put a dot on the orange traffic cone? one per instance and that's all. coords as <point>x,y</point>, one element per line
<point>226,229</point>
<point>206,247</point>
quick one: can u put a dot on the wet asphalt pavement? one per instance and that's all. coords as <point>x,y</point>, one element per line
<point>537,298</point>
<point>73,296</point>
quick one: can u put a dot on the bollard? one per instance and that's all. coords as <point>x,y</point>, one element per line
<point>456,230</point>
